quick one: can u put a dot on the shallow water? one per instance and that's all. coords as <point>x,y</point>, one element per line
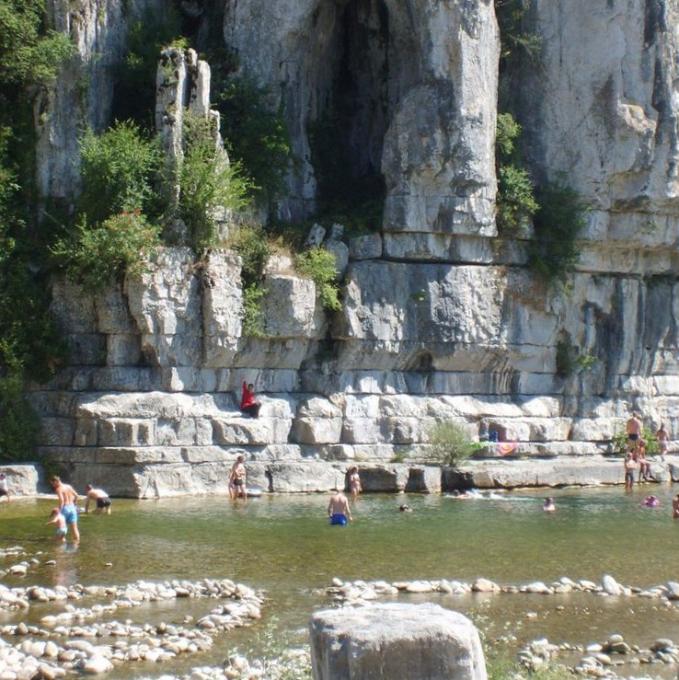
<point>284,545</point>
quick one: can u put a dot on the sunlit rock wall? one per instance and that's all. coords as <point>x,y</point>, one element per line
<point>441,319</point>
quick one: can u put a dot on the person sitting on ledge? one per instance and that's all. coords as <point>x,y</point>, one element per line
<point>249,406</point>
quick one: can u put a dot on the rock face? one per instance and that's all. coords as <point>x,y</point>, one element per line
<point>388,641</point>
<point>423,76</point>
<point>441,319</point>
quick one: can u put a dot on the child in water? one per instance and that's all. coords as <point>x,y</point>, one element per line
<point>549,505</point>
<point>60,521</point>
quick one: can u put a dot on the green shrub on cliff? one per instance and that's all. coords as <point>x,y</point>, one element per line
<point>252,246</point>
<point>119,171</point>
<point>558,222</point>
<point>94,256</point>
<point>515,196</point>
<point>208,182</point>
<point>320,266</point>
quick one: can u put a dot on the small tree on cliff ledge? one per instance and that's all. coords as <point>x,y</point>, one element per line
<point>450,444</point>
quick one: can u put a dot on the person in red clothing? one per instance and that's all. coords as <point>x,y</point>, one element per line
<point>248,404</point>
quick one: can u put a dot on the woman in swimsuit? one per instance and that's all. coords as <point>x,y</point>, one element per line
<point>354,482</point>
<point>237,479</point>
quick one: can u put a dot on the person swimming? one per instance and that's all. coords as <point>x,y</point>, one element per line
<point>548,505</point>
<point>651,502</point>
<point>404,508</point>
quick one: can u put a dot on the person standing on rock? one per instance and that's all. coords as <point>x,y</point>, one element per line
<point>4,488</point>
<point>633,429</point>
<point>354,482</point>
<point>67,504</point>
<point>100,498</point>
<point>249,405</point>
<point>338,509</point>
<point>237,478</point>
<point>630,467</point>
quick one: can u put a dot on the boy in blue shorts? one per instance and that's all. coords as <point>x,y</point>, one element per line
<point>338,509</point>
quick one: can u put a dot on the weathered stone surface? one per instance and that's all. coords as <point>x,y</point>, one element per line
<point>395,641</point>
<point>222,308</point>
<point>22,479</point>
<point>166,305</point>
<point>289,307</point>
<point>368,247</point>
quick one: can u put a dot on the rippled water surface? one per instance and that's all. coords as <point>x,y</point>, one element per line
<point>284,546</point>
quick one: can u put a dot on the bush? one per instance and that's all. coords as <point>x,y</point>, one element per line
<point>515,198</point>
<point>514,39</point>
<point>320,266</point>
<point>619,443</point>
<point>208,182</point>
<point>450,444</point>
<point>29,55</point>
<point>96,255</point>
<point>558,222</point>
<point>253,316</point>
<point>255,136</point>
<point>119,170</point>
<point>252,246</point>
<point>570,361</point>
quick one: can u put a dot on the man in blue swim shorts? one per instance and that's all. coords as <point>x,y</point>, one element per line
<point>67,505</point>
<point>338,509</point>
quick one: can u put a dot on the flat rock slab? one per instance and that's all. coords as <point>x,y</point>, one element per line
<point>394,641</point>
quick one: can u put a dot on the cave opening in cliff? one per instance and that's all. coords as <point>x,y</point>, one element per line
<point>347,137</point>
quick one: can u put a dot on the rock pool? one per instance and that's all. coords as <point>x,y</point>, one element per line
<point>284,546</point>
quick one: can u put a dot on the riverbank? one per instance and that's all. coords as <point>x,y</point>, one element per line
<point>315,476</point>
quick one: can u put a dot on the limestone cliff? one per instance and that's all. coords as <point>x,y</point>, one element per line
<point>441,319</point>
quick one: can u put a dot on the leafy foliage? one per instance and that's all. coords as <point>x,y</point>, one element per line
<point>569,360</point>
<point>515,40</point>
<point>515,200</point>
<point>620,442</point>
<point>95,256</point>
<point>29,55</point>
<point>30,346</point>
<point>450,444</point>
<point>119,171</point>
<point>320,266</point>
<point>251,244</point>
<point>253,315</point>
<point>208,182</point>
<point>558,222</point>
<point>255,136</point>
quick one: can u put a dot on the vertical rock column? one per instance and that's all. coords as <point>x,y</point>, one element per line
<point>182,85</point>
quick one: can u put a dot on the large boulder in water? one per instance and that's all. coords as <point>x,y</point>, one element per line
<point>393,641</point>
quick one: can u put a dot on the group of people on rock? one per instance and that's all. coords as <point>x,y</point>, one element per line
<point>65,515</point>
<point>635,457</point>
